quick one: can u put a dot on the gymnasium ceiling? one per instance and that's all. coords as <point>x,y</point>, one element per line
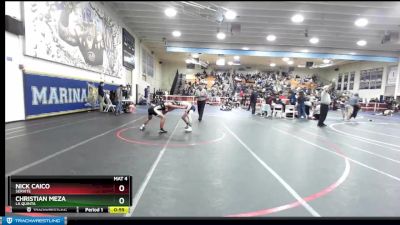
<point>331,22</point>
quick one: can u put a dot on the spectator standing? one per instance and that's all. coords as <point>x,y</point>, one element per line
<point>354,106</point>
<point>201,95</point>
<point>118,98</point>
<point>301,105</point>
<point>250,92</point>
<point>292,97</point>
<point>101,96</point>
<point>325,102</point>
<point>253,101</point>
<point>241,97</point>
<point>147,94</point>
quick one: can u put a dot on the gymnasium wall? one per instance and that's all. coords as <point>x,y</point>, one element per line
<point>327,74</point>
<point>15,55</point>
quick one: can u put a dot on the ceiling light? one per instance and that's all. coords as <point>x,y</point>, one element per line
<point>361,42</point>
<point>361,22</point>
<point>304,50</point>
<point>230,15</point>
<point>220,62</point>
<point>245,48</point>
<point>297,18</point>
<point>290,62</point>
<point>271,37</point>
<point>285,59</point>
<point>230,63</point>
<point>272,65</point>
<point>188,61</point>
<point>301,66</point>
<point>236,57</point>
<point>326,61</point>
<point>195,55</point>
<point>221,35</point>
<point>314,40</point>
<point>170,12</point>
<point>176,33</point>
<point>352,53</point>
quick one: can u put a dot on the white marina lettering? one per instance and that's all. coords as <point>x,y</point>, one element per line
<point>63,95</point>
<point>53,99</point>
<point>57,95</point>
<point>39,97</point>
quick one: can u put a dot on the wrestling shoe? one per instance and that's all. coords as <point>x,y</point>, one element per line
<point>142,128</point>
<point>162,131</point>
<point>189,129</point>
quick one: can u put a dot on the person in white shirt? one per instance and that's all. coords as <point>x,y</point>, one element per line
<point>201,95</point>
<point>325,102</point>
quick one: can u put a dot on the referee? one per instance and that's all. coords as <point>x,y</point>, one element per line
<point>325,102</point>
<point>201,95</point>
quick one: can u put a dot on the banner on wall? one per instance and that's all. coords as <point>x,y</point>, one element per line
<point>128,49</point>
<point>46,95</point>
<point>78,34</point>
<point>392,76</point>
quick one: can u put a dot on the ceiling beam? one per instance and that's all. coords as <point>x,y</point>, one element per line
<point>283,54</point>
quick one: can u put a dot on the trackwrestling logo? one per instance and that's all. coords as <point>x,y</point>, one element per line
<point>34,220</point>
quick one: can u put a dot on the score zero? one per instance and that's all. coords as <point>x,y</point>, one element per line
<point>121,188</point>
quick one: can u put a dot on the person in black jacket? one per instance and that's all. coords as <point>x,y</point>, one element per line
<point>101,96</point>
<point>253,101</point>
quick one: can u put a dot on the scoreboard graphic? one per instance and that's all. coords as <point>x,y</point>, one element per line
<point>70,194</point>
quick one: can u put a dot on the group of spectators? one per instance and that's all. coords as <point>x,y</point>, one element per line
<point>266,83</point>
<point>112,97</point>
<point>276,89</point>
<point>220,88</point>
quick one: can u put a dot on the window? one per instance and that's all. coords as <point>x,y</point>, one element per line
<point>147,63</point>
<point>351,83</point>
<point>371,79</point>
<point>345,81</point>
<point>339,84</point>
<point>364,79</point>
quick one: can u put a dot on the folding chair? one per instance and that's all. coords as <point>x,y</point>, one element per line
<point>109,105</point>
<point>267,108</point>
<point>290,109</point>
<point>278,108</point>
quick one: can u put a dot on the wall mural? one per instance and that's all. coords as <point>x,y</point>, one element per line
<point>78,34</point>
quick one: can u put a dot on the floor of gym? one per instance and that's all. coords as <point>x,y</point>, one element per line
<point>232,164</point>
